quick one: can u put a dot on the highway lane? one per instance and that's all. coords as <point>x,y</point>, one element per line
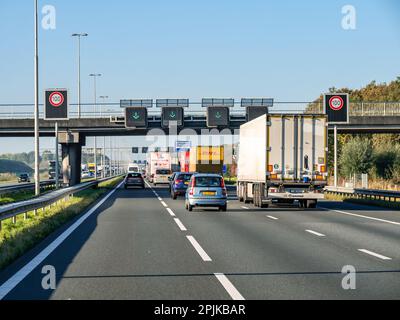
<point>277,254</point>
<point>128,249</point>
<point>140,244</point>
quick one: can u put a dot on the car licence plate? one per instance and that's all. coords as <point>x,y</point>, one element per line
<point>209,193</point>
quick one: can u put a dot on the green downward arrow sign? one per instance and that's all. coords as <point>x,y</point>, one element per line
<point>172,115</point>
<point>218,115</point>
<point>136,116</point>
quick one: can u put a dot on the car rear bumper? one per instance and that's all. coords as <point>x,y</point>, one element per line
<point>134,184</point>
<point>179,191</point>
<point>205,202</point>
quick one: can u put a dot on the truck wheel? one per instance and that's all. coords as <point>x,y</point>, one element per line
<point>264,205</point>
<point>311,204</point>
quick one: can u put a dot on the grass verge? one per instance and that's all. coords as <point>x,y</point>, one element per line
<point>368,202</point>
<point>18,238</point>
<point>18,196</point>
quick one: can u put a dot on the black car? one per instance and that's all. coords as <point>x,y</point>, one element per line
<point>24,177</point>
<point>179,184</point>
<point>134,180</point>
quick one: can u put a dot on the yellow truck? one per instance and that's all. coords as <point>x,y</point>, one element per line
<point>206,159</point>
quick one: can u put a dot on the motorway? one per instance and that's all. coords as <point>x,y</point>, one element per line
<point>141,244</point>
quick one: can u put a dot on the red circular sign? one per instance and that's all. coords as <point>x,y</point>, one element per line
<point>56,99</point>
<point>336,103</point>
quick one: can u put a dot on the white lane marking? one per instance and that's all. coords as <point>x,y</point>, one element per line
<point>375,254</point>
<point>246,208</point>
<point>180,224</point>
<point>164,204</point>
<point>361,216</point>
<point>273,218</point>
<point>159,198</point>
<point>171,212</point>
<point>11,283</point>
<point>198,248</point>
<point>229,287</point>
<point>315,233</point>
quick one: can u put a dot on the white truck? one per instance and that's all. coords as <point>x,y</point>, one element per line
<point>157,161</point>
<point>283,159</point>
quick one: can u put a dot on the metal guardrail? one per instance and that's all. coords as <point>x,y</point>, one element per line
<point>11,211</point>
<point>371,194</point>
<point>27,186</point>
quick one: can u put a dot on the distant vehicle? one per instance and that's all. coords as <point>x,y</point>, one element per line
<point>91,167</point>
<point>87,174</point>
<point>24,177</point>
<point>283,159</point>
<point>179,184</point>
<point>155,161</point>
<point>133,168</point>
<point>134,180</point>
<point>161,176</point>
<point>204,159</point>
<point>206,190</point>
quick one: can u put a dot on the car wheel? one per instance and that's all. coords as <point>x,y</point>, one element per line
<point>223,208</point>
<point>190,208</point>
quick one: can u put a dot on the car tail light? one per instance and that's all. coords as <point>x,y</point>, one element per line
<point>272,190</point>
<point>222,183</point>
<point>178,182</point>
<point>191,192</point>
<point>270,168</point>
<point>323,168</point>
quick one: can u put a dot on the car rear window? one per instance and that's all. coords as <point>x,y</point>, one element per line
<point>208,182</point>
<point>133,169</point>
<point>184,177</point>
<point>163,171</point>
<point>134,175</point>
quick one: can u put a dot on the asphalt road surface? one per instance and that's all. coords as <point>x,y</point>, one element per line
<point>141,244</point>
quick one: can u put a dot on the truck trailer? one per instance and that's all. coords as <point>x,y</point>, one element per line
<point>283,159</point>
<point>206,159</point>
<point>157,161</point>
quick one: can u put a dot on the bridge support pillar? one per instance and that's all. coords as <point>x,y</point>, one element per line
<point>71,146</point>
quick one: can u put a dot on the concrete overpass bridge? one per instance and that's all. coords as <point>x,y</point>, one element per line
<point>109,120</point>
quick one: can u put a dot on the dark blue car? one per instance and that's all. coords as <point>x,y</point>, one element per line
<point>179,184</point>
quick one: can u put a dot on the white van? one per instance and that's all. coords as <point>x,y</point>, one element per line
<point>133,168</point>
<point>161,176</point>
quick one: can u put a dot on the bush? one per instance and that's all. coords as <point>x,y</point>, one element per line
<point>356,157</point>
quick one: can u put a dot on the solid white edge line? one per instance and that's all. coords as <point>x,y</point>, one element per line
<point>171,212</point>
<point>272,217</point>
<point>246,208</point>
<point>199,249</point>
<point>11,283</point>
<point>229,287</point>
<point>361,216</point>
<point>180,224</point>
<point>315,233</point>
<point>377,255</point>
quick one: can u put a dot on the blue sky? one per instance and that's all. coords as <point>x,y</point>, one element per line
<point>289,50</point>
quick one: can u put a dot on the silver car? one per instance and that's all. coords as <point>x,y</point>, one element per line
<point>206,190</point>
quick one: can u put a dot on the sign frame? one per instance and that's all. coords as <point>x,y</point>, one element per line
<point>137,127</point>
<point>66,101</point>
<point>225,109</point>
<point>346,103</point>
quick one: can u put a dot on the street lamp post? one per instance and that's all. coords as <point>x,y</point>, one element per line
<point>103,158</point>
<point>95,75</point>
<point>36,111</point>
<point>79,35</point>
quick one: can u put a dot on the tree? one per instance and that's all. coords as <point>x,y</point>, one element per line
<point>356,157</point>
